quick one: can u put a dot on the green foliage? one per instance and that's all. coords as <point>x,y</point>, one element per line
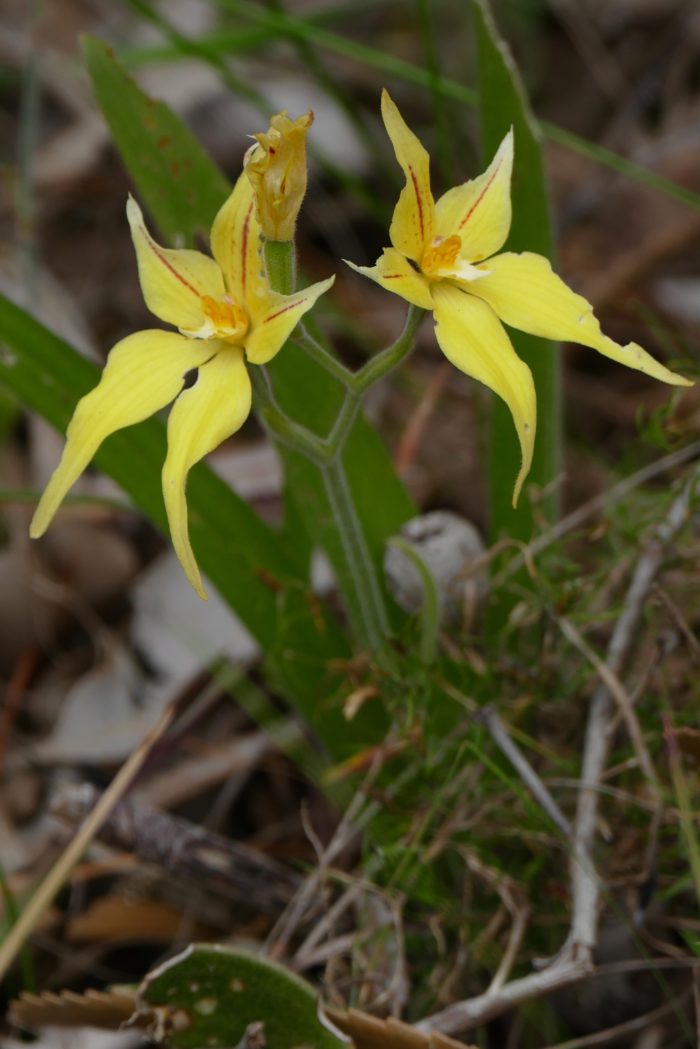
<point>429,614</point>
<point>211,995</point>
<point>182,186</point>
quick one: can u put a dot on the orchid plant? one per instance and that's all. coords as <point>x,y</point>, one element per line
<point>390,695</point>
<point>236,310</point>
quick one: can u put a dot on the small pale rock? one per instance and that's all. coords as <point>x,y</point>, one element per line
<point>448,545</point>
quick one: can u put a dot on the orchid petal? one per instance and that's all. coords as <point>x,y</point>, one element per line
<point>473,339</point>
<point>143,373</point>
<point>235,244</point>
<point>203,416</point>
<point>173,281</point>
<point>479,211</point>
<point>276,318</point>
<point>394,272</point>
<point>526,294</point>
<point>412,226</point>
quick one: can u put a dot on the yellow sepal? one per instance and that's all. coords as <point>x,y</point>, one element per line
<point>202,417</point>
<point>173,280</point>
<point>473,339</point>
<point>526,294</point>
<point>235,244</point>
<point>413,223</point>
<point>275,318</point>
<point>394,272</point>
<point>143,373</point>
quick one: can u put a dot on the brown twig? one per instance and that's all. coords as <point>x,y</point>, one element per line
<point>618,692</point>
<point>467,1014</point>
<point>188,852</point>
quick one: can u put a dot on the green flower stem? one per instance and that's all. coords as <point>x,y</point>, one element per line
<point>284,429</point>
<point>367,599</point>
<point>321,356</point>
<point>363,591</point>
<point>383,362</point>
<point>326,450</point>
<point>360,381</point>
<point>281,265</point>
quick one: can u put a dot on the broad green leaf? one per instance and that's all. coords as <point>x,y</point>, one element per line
<point>303,389</point>
<point>242,556</point>
<point>183,187</point>
<point>502,103</point>
<point>211,995</point>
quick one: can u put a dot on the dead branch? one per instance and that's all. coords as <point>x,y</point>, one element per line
<point>187,852</point>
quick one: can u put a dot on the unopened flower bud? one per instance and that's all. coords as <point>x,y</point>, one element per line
<point>276,167</point>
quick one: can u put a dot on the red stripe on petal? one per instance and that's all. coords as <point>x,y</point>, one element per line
<point>291,306</point>
<point>244,248</point>
<point>168,265</point>
<point>478,200</point>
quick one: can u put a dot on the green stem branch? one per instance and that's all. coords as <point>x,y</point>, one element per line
<point>383,362</point>
<point>284,429</point>
<point>358,575</point>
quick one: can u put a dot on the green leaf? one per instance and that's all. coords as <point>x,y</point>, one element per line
<point>502,103</point>
<point>211,995</point>
<point>183,187</point>
<point>303,388</point>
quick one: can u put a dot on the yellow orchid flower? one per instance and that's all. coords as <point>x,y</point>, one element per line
<point>226,314</point>
<point>276,167</point>
<point>443,259</point>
